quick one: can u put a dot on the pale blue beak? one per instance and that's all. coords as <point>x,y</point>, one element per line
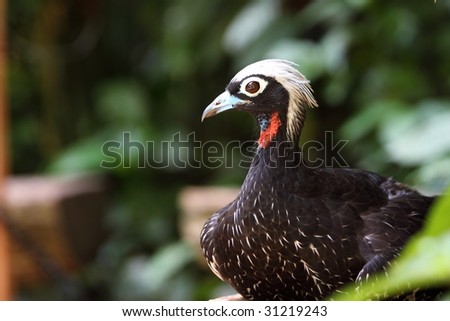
<point>223,102</point>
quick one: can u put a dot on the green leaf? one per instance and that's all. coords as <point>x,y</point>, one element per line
<point>262,12</point>
<point>433,176</point>
<point>438,222</point>
<point>122,102</point>
<point>307,54</point>
<point>83,156</point>
<point>370,117</point>
<point>88,155</point>
<point>144,277</point>
<point>419,136</point>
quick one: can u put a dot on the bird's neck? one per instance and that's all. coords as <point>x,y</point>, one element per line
<point>275,148</point>
<point>271,129</point>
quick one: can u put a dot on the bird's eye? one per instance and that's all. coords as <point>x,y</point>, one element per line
<point>252,87</point>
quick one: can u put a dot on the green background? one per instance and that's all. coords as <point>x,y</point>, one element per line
<point>81,73</point>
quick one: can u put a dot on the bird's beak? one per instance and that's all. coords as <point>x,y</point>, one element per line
<point>223,102</point>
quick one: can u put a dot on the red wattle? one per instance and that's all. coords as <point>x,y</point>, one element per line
<point>270,132</point>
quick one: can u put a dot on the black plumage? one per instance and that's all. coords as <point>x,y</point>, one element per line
<point>296,232</point>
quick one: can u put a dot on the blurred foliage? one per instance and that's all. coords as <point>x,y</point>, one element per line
<point>83,73</point>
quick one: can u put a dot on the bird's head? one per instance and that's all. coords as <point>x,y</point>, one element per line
<point>274,91</point>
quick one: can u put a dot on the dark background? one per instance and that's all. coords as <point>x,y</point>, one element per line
<point>82,72</point>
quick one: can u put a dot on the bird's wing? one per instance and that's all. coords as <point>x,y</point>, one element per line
<point>376,214</point>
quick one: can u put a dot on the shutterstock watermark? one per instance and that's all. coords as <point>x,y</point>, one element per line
<point>185,151</point>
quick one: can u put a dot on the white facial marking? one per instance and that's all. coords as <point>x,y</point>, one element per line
<point>262,84</point>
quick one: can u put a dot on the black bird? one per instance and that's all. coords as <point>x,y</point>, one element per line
<point>294,232</point>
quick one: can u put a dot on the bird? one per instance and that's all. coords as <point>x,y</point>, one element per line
<point>299,232</point>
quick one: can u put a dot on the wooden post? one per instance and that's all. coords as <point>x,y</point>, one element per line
<point>5,280</point>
